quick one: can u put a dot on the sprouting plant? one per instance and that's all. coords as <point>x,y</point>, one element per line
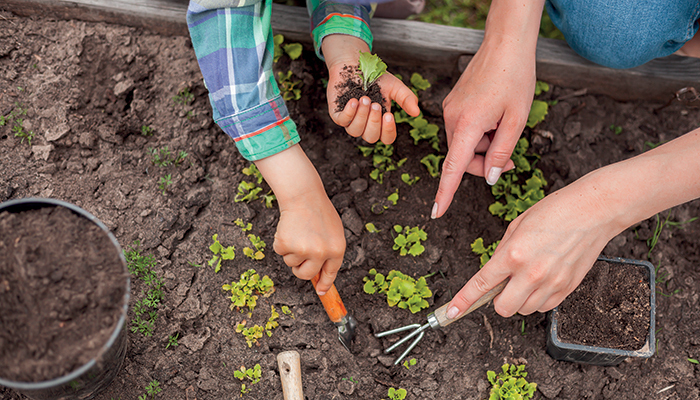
<point>381,160</point>
<point>541,87</point>
<point>293,50</point>
<point>183,97</point>
<point>245,227</point>
<point>693,361</point>
<point>247,191</point>
<point>406,178</point>
<point>244,293</point>
<point>408,240</point>
<point>253,171</point>
<point>272,321</point>
<point>418,82</point>
<point>18,127</point>
<point>146,130</point>
<point>409,363</point>
<point>397,394</point>
<point>259,245</point>
<point>401,290</point>
<point>220,253</point>
<point>653,145</point>
<point>402,116</point>
<point>268,199</point>
<point>287,311</point>
<point>371,68</point>
<point>510,384</point>
<point>164,183</point>
<point>654,239</point>
<point>422,130</point>
<point>251,374</point>
<point>538,111</point>
<point>145,309</point>
<point>485,252</point>
<point>432,163</point>
<point>19,132</point>
<point>251,334</point>
<point>289,87</point>
<point>181,155</point>
<point>371,228</point>
<point>616,129</point>
<point>394,197</point>
<point>172,340</point>
<point>160,157</point>
<point>152,389</point>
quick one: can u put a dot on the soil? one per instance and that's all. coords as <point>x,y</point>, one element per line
<point>61,293</point>
<point>351,88</point>
<point>611,305</point>
<point>89,88</point>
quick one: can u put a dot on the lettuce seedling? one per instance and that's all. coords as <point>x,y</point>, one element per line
<point>394,197</point>
<point>293,50</point>
<point>251,374</point>
<point>288,86</point>
<point>247,191</point>
<point>485,253</point>
<point>401,290</point>
<point>381,160</point>
<point>510,384</point>
<point>538,111</point>
<point>432,163</point>
<point>243,292</point>
<point>422,130</point>
<point>287,311</point>
<point>371,68</point>
<point>268,199</point>
<point>397,394</point>
<point>409,363</point>
<point>220,253</point>
<point>409,240</point>
<point>272,321</point>
<point>244,227</point>
<point>253,171</point>
<point>406,178</point>
<point>259,245</point>
<point>371,228</point>
<point>251,334</point>
<point>418,83</point>
<point>518,198</point>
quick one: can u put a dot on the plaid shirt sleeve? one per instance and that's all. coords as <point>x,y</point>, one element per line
<point>328,17</point>
<point>232,40</point>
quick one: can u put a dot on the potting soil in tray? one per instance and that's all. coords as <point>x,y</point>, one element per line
<point>609,309</point>
<point>61,290</point>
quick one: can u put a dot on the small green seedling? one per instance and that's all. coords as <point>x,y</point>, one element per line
<point>538,111</point>
<point>510,384</point>
<point>164,183</point>
<point>251,334</point>
<point>145,309</point>
<point>251,374</point>
<point>432,163</point>
<point>371,228</point>
<point>401,116</point>
<point>541,87</point>
<point>253,171</point>
<point>172,340</point>
<point>401,290</point>
<point>371,68</point>
<point>259,245</point>
<point>397,394</point>
<point>183,97</point>
<point>160,157</point>
<point>289,87</point>
<point>409,240</point>
<point>220,253</point>
<point>409,363</point>
<point>293,50</point>
<point>485,252</point>
<point>394,197</point>
<point>406,178</point>
<point>418,83</point>
<point>244,293</point>
<point>152,389</point>
<point>381,160</point>
<point>422,130</point>
<point>18,128</point>
<point>247,191</point>
<point>146,130</point>
<point>287,311</point>
<point>616,129</point>
<point>272,321</point>
<point>244,227</point>
<point>268,199</point>
<point>693,361</point>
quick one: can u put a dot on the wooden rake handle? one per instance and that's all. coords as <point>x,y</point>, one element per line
<point>440,314</point>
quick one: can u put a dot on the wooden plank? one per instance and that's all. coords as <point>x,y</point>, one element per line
<point>400,42</point>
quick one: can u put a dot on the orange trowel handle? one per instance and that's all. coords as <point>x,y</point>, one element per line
<point>331,302</point>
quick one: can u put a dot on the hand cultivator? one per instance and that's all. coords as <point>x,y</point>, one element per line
<point>437,319</point>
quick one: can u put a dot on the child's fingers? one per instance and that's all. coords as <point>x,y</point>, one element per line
<point>403,96</point>
<point>328,274</point>
<point>343,118</point>
<point>307,269</point>
<point>373,129</point>
<point>357,127</point>
<point>388,129</point>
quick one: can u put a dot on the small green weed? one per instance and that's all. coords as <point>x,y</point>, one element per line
<point>381,160</point>
<point>510,384</point>
<point>693,361</point>
<point>145,309</point>
<point>18,128</point>
<point>485,252</point>
<point>653,145</point>
<point>616,129</point>
<point>401,290</point>
<point>146,130</point>
<point>409,363</point>
<point>172,340</point>
<point>397,394</point>
<point>289,87</point>
<point>164,183</point>
<point>152,389</point>
<point>183,97</point>
<point>253,375</point>
<point>244,293</point>
<point>432,163</point>
<point>409,240</point>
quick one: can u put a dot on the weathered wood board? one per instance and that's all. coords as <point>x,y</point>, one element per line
<point>400,42</point>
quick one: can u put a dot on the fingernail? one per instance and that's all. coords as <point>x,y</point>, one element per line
<point>433,214</point>
<point>452,312</point>
<point>387,117</point>
<point>494,174</point>
<point>320,293</point>
<point>376,107</point>
<point>365,101</point>
<point>353,105</point>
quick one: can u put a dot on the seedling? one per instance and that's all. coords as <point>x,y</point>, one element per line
<point>485,252</point>
<point>247,191</point>
<point>541,87</point>
<point>371,228</point>
<point>418,83</point>
<point>422,130</point>
<point>164,183</point>
<point>401,290</point>
<point>145,309</point>
<point>397,394</point>
<point>251,374</point>
<point>616,129</point>
<point>160,157</point>
<point>289,87</point>
<point>409,363</point>
<point>371,68</point>
<point>381,160</point>
<point>152,389</point>
<point>287,311</point>
<point>268,199</point>
<point>172,340</point>
<point>244,227</point>
<point>510,384</point>
<point>220,253</point>
<point>653,145</point>
<point>253,171</point>
<point>406,178</point>
<point>409,240</point>
<point>19,132</point>
<point>693,361</point>
<point>244,293</point>
<point>538,111</point>
<point>146,130</point>
<point>251,334</point>
<point>259,245</point>
<point>183,97</point>
<point>394,197</point>
<point>293,50</point>
<point>18,127</point>
<point>432,163</point>
<point>272,321</point>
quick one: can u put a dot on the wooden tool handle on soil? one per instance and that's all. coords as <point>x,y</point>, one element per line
<point>331,302</point>
<point>441,313</point>
<point>289,364</point>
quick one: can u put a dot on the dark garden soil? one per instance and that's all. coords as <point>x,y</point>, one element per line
<point>89,88</point>
<point>62,287</point>
<point>610,308</point>
<point>351,88</point>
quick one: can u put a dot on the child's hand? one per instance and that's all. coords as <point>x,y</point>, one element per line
<point>310,235</point>
<point>363,118</point>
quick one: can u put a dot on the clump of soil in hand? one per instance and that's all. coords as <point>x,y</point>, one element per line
<point>609,309</point>
<point>62,287</point>
<point>351,88</point>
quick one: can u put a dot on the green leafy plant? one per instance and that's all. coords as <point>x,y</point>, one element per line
<point>146,130</point>
<point>251,334</point>
<point>406,178</point>
<point>160,157</point>
<point>293,50</point>
<point>371,228</point>
<point>371,68</point>
<point>485,252</point>
<point>693,361</point>
<point>409,363</point>
<point>287,311</point>
<point>288,86</point>
<point>164,183</point>
<point>253,171</point>
<point>422,130</point>
<point>183,97</point>
<point>245,227</point>
<point>259,245</point>
<point>510,384</point>
<point>432,163</point>
<point>418,83</point>
<point>397,394</point>
<point>247,191</point>
<point>268,199</point>
<point>408,240</point>
<point>381,160</point>
<point>18,128</point>
<point>253,375</point>
<point>538,111</point>
<point>616,129</point>
<point>220,253</point>
<point>145,309</point>
<point>541,87</point>
<point>244,293</point>
<point>272,321</point>
<point>172,340</point>
<point>401,290</point>
<point>152,389</point>
<point>394,197</point>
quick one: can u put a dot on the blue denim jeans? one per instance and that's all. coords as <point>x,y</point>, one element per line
<point>625,33</point>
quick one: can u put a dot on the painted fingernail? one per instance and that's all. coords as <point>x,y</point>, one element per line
<point>365,101</point>
<point>452,312</point>
<point>433,214</point>
<point>494,174</point>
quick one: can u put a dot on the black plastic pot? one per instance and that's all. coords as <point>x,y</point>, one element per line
<point>95,375</point>
<point>562,351</point>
